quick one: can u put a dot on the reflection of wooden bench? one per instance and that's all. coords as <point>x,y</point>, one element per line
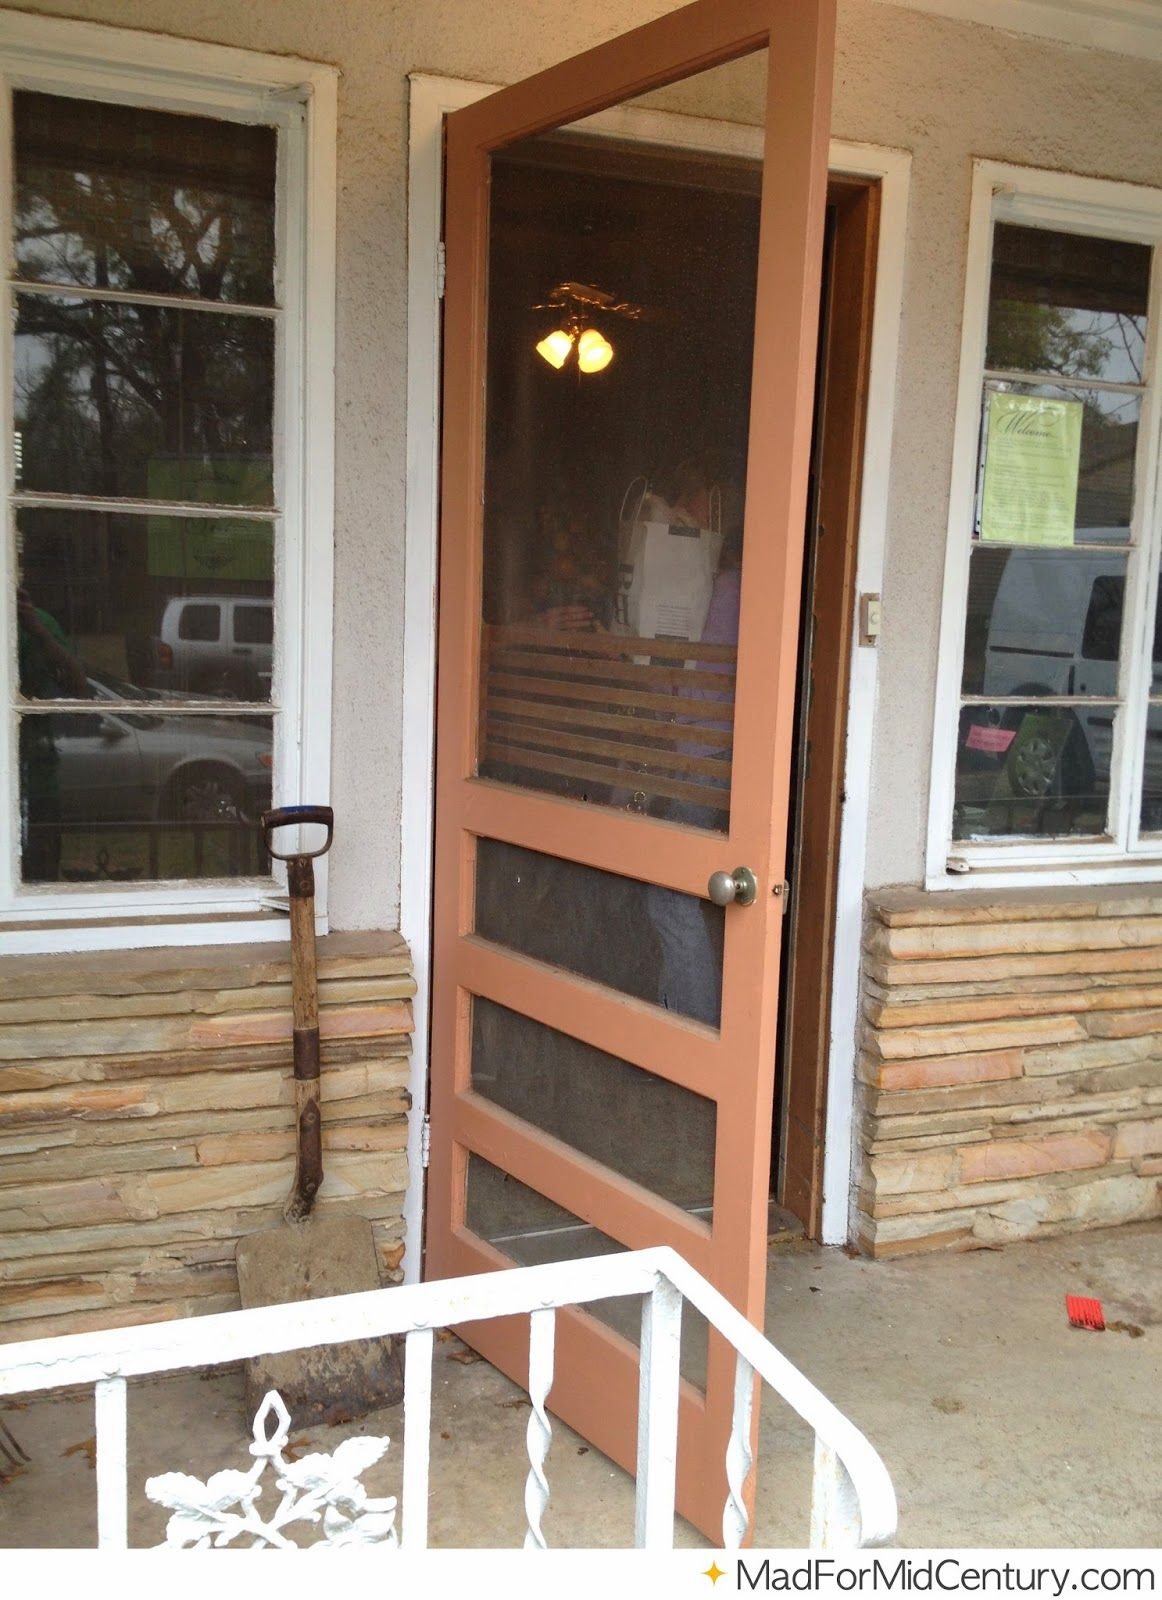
<point>652,716</point>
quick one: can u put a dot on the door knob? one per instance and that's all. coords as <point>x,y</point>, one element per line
<point>739,887</point>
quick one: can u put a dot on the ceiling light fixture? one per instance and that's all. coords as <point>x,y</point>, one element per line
<point>575,335</point>
<point>556,347</point>
<point>594,351</point>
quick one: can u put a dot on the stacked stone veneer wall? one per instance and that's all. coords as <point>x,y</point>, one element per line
<point>146,1121</point>
<point>1010,1071</point>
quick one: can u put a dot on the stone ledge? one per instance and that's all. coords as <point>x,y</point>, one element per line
<point>914,908</point>
<point>1010,1054</point>
<point>225,966</point>
<point>147,1116</point>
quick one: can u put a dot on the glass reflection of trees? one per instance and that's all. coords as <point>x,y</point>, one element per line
<point>139,400</point>
<point>144,247</point>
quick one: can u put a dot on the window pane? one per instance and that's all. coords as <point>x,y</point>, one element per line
<point>647,941</point>
<point>1151,816</point>
<point>618,410</point>
<point>149,201</point>
<point>145,603</point>
<point>1109,444</point>
<point>127,795</point>
<point>1068,303</point>
<point>531,1230</point>
<point>1157,682</point>
<point>1032,770</point>
<point>146,402</point>
<point>649,1130</point>
<point>1043,622</point>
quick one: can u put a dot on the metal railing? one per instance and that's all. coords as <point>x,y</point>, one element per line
<point>853,1503</point>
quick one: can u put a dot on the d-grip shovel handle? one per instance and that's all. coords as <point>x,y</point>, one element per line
<point>305,995</point>
<point>283,816</point>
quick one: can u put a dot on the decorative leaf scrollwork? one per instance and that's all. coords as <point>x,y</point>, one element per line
<point>318,1488</point>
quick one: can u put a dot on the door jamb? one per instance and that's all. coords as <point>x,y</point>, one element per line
<point>431,99</point>
<point>818,793</point>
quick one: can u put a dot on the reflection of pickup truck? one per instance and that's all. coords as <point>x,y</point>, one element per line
<point>215,645</point>
<point>1056,631</point>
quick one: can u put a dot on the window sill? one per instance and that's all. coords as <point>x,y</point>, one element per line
<point>58,933</point>
<point>1047,874</point>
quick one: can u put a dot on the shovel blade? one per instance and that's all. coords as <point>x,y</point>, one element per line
<point>310,1260</point>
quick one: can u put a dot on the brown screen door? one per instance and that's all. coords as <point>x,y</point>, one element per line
<point>630,336</point>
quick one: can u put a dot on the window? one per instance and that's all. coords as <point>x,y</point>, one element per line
<point>1048,743</point>
<point>158,377</point>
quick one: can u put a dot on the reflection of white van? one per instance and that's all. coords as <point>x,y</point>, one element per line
<point>1055,630</point>
<point>219,645</point>
<point>1056,624</point>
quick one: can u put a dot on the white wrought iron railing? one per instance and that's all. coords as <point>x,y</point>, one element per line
<point>853,1503</point>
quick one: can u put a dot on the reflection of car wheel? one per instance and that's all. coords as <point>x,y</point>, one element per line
<point>1041,768</point>
<point>204,794</point>
<point>1034,769</point>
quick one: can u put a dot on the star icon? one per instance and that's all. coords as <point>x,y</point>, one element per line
<point>714,1572</point>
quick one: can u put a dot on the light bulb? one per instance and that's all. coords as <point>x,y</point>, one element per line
<point>594,352</point>
<point>555,347</point>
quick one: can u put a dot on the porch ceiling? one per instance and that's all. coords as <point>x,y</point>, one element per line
<point>1128,27</point>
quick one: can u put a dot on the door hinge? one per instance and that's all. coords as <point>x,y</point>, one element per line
<point>425,1142</point>
<point>441,269</point>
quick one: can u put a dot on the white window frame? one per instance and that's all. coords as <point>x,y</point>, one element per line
<point>299,99</point>
<point>1072,204</point>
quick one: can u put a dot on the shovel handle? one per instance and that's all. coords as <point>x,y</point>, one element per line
<point>283,816</point>
<point>305,997</point>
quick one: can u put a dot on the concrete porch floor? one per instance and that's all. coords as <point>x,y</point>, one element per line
<point>1001,1425</point>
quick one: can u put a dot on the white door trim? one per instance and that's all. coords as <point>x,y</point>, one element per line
<point>894,170</point>
<point>431,98</point>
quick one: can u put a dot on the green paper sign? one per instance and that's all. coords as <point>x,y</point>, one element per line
<point>1032,459</point>
<point>209,548</point>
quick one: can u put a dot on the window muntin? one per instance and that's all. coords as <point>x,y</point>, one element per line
<point>133,420</point>
<point>1040,722</point>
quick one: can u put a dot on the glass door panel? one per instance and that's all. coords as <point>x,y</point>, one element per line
<point>655,943</point>
<point>620,343</point>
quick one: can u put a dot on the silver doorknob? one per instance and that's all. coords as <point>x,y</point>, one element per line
<point>739,888</point>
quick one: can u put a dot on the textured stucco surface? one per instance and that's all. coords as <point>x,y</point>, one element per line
<point>943,90</point>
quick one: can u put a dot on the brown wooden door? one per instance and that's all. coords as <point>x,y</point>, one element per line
<point>824,684</point>
<point>621,544</point>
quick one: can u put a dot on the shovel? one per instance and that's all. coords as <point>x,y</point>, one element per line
<point>309,1257</point>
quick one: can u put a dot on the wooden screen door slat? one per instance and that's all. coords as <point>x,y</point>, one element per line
<point>534,706</point>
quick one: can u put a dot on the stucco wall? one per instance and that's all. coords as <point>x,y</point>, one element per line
<point>944,90</point>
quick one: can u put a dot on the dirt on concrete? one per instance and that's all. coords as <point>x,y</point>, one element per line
<point>1000,1424</point>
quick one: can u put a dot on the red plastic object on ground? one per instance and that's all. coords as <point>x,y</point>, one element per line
<point>1084,1313</point>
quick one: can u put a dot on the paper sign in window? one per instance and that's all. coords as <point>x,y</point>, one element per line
<point>1032,457</point>
<point>993,740</point>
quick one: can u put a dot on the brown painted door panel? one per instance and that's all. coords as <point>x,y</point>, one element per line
<point>825,672</point>
<point>619,594</point>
